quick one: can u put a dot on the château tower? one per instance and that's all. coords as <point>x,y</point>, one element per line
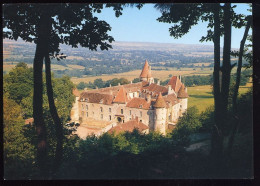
<point>146,74</point>
<point>160,115</point>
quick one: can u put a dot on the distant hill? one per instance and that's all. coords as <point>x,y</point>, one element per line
<point>127,46</point>
<point>123,57</point>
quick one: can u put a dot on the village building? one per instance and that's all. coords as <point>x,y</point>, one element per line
<point>155,106</point>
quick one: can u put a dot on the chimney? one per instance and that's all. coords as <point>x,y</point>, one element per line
<point>118,84</point>
<point>85,89</point>
<point>131,82</point>
<point>158,82</point>
<point>109,85</point>
<point>186,90</point>
<point>96,87</point>
<point>180,77</point>
<point>110,92</point>
<point>169,89</point>
<point>150,81</point>
<point>148,98</point>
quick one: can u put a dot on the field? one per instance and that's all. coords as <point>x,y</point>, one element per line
<point>202,97</point>
<point>160,74</point>
<point>7,66</point>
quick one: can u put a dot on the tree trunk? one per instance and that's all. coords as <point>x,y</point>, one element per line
<point>226,68</point>
<point>38,99</point>
<point>235,94</point>
<point>217,139</point>
<point>55,117</point>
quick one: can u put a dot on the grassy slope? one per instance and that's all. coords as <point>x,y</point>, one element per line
<point>201,96</point>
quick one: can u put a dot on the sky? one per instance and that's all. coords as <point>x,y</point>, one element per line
<point>141,26</point>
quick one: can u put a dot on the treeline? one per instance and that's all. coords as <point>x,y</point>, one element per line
<point>197,80</point>
<point>19,139</point>
<point>102,84</point>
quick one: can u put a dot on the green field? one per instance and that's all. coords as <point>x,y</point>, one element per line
<point>202,97</point>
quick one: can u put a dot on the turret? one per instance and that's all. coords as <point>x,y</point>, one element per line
<point>183,97</point>
<point>146,74</point>
<point>160,114</point>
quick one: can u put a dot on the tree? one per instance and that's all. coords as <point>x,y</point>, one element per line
<point>222,18</point>
<point>238,77</point>
<point>48,26</point>
<point>187,124</point>
<point>18,151</point>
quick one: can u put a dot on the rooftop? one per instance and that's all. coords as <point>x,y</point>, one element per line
<point>129,126</point>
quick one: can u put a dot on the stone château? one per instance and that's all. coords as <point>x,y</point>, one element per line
<point>150,103</point>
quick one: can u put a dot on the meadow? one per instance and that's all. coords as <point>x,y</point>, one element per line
<point>202,97</point>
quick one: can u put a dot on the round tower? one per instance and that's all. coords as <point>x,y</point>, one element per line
<point>183,97</point>
<point>160,115</point>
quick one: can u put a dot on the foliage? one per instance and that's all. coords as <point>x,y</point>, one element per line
<point>102,84</point>
<point>19,153</point>
<point>189,123</point>
<point>19,82</point>
<point>63,98</point>
<point>136,80</point>
<point>18,86</point>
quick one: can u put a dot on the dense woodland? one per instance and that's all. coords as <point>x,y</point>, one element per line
<point>46,150</point>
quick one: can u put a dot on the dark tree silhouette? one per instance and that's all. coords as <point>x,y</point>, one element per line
<point>48,26</point>
<point>236,88</point>
<point>221,18</point>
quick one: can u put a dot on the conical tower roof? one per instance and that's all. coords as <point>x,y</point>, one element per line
<point>182,93</point>
<point>121,96</point>
<point>145,72</point>
<point>160,103</point>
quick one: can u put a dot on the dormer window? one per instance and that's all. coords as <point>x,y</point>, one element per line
<point>86,99</point>
<point>81,99</point>
<point>140,106</point>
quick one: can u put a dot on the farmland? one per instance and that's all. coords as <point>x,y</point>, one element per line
<point>202,97</point>
<point>160,74</point>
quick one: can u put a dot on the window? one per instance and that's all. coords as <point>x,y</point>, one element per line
<point>101,116</point>
<point>86,99</point>
<point>110,117</point>
<point>86,107</point>
<point>109,109</point>
<point>140,120</point>
<point>122,111</point>
<point>140,106</point>
<point>93,113</point>
<point>81,99</point>
<point>87,114</point>
<point>141,113</point>
<point>101,109</point>
<point>130,112</point>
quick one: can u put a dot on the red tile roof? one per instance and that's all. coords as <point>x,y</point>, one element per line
<point>139,103</point>
<point>75,92</point>
<point>160,103</point>
<point>134,87</point>
<point>155,89</point>
<point>121,96</point>
<point>128,126</point>
<point>145,72</point>
<point>182,93</point>
<point>175,82</point>
<point>29,121</point>
<point>97,97</point>
<point>171,99</point>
